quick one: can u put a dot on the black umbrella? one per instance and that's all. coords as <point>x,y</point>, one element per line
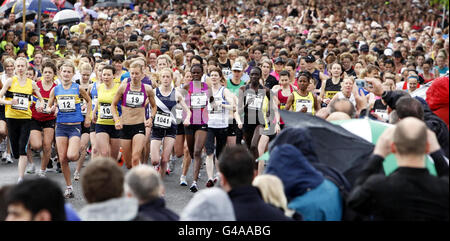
<point>29,16</point>
<point>334,146</point>
<point>113,3</point>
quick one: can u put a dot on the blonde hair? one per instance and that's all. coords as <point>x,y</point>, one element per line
<point>21,59</point>
<point>166,57</point>
<point>137,64</point>
<point>167,70</point>
<point>272,191</point>
<point>85,66</point>
<point>9,60</point>
<point>67,63</point>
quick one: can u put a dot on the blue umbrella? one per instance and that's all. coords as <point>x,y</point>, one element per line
<point>47,6</point>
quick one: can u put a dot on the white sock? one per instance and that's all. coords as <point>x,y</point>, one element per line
<point>69,187</point>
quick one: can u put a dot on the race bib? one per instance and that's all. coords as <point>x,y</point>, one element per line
<point>134,99</point>
<point>179,113</point>
<point>66,104</point>
<point>330,94</point>
<point>162,120</point>
<point>105,111</point>
<point>198,100</point>
<point>38,103</point>
<point>84,108</point>
<point>217,109</point>
<point>299,104</point>
<point>23,101</point>
<point>383,114</point>
<point>256,103</point>
<point>226,72</point>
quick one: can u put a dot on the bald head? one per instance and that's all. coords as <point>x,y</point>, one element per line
<point>343,105</point>
<point>410,137</point>
<point>144,183</point>
<point>338,116</point>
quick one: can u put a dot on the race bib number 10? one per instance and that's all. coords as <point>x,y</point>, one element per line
<point>105,111</point>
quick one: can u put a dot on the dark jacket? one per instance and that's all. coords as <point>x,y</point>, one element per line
<point>407,194</point>
<point>248,205</point>
<point>157,211</point>
<point>438,126</point>
<point>307,190</point>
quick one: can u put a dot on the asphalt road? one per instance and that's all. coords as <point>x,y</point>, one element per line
<point>176,196</point>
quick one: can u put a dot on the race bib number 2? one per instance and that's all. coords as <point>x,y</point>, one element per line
<point>198,100</point>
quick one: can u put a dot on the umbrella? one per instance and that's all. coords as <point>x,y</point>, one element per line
<point>334,146</point>
<point>47,6</point>
<point>6,7</point>
<point>371,130</point>
<point>66,16</point>
<point>29,16</point>
<point>113,3</point>
<point>67,5</point>
<point>422,91</point>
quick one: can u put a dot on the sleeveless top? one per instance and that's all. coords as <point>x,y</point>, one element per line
<point>44,116</point>
<point>283,99</point>
<point>94,97</point>
<point>234,88</point>
<point>226,68</point>
<point>218,116</point>
<point>198,101</point>
<point>23,95</point>
<point>134,99</point>
<point>105,98</point>
<point>166,105</point>
<point>332,89</point>
<point>351,99</point>
<point>69,107</point>
<point>301,101</point>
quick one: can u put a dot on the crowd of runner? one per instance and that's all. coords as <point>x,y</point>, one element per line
<point>152,85</point>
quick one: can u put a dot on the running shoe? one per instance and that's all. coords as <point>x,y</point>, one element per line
<point>41,173</point>
<point>168,171</point>
<point>183,181</point>
<point>76,176</point>
<point>194,187</point>
<point>31,169</point>
<point>68,193</point>
<point>58,168</point>
<point>216,179</point>
<point>210,183</point>
<point>8,158</point>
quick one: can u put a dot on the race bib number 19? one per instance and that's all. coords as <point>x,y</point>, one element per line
<point>134,99</point>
